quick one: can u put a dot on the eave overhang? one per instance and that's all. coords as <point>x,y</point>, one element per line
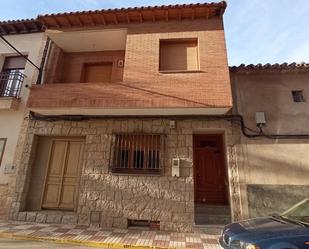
<point>23,26</point>
<point>271,68</point>
<point>133,15</point>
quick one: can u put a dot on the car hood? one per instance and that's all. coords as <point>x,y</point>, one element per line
<point>254,230</point>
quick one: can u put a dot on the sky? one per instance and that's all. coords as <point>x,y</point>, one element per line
<point>257,31</point>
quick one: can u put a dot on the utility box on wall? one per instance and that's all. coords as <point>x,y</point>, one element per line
<point>176,167</point>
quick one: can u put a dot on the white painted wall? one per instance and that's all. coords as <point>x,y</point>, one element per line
<point>11,121</point>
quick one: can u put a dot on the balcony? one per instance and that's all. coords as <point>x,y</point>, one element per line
<point>10,87</point>
<point>112,99</point>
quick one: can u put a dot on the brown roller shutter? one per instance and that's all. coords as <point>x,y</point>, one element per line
<point>101,72</point>
<point>14,62</point>
<point>178,55</point>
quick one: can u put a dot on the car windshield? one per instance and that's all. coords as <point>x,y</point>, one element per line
<point>299,212</point>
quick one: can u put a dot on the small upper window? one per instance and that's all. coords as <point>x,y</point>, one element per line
<point>178,55</point>
<point>298,96</point>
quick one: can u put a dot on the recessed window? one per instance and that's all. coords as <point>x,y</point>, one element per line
<point>137,153</point>
<point>179,55</point>
<point>2,147</point>
<point>298,96</point>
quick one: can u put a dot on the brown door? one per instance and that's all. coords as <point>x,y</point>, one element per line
<point>63,174</point>
<point>98,72</point>
<point>209,170</point>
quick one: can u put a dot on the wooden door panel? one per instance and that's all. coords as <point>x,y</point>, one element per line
<point>57,158</point>
<point>71,175</point>
<point>73,159</point>
<point>209,170</point>
<point>51,196</point>
<point>68,195</point>
<point>63,174</point>
<point>54,174</point>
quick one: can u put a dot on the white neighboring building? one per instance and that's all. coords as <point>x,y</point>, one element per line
<point>16,74</point>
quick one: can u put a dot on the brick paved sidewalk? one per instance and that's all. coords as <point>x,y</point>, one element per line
<point>108,238</point>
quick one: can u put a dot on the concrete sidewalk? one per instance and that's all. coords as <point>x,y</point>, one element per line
<point>106,238</point>
<point>7,243</point>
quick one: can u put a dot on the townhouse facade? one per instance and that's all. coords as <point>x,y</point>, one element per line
<point>142,123</point>
<point>16,73</point>
<point>114,124</point>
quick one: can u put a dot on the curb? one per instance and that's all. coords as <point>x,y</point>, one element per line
<point>78,242</point>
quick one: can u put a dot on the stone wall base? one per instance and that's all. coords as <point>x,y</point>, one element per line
<point>5,201</point>
<point>56,217</point>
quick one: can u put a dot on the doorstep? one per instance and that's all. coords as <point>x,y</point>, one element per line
<point>105,237</point>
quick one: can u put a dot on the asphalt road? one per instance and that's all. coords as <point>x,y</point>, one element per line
<point>25,244</point>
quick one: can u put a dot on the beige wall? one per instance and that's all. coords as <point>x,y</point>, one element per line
<point>265,161</point>
<point>11,120</point>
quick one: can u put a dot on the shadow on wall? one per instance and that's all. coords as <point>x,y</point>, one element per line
<point>276,174</point>
<point>264,200</point>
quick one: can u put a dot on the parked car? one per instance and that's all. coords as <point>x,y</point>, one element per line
<point>289,230</point>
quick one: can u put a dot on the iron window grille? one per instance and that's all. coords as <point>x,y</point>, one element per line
<point>11,82</point>
<point>136,153</point>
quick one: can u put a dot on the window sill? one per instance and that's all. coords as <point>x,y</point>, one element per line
<point>180,71</point>
<point>136,172</point>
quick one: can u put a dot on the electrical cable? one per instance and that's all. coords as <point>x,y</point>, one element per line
<point>235,118</point>
<point>17,51</point>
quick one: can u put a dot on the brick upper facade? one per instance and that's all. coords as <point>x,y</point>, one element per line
<point>143,85</point>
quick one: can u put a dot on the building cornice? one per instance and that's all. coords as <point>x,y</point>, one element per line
<point>22,26</point>
<point>271,68</point>
<point>133,15</point>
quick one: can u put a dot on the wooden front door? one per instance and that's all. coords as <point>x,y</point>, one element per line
<point>209,170</point>
<point>63,174</point>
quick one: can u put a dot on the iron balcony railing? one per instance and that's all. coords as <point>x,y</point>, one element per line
<point>11,83</point>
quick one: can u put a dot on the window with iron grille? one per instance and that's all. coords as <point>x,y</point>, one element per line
<point>137,153</point>
<point>12,76</point>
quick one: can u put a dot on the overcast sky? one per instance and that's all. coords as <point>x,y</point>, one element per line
<point>257,31</point>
